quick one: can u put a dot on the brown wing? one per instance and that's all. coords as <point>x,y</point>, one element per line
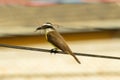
<point>57,40</point>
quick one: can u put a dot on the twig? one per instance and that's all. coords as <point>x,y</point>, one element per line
<point>60,52</point>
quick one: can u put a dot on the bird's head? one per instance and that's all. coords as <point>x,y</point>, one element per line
<point>47,25</point>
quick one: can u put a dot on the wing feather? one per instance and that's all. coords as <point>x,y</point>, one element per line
<point>57,40</point>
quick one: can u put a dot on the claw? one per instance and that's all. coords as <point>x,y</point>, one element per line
<point>54,50</point>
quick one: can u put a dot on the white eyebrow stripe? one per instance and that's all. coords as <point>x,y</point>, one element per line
<point>47,24</point>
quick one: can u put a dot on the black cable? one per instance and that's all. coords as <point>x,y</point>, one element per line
<point>60,52</point>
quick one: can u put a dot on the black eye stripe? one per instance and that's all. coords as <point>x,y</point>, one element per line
<point>49,27</point>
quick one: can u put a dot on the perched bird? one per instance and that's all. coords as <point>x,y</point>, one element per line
<point>56,39</point>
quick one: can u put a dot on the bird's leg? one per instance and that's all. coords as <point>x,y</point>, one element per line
<point>54,50</point>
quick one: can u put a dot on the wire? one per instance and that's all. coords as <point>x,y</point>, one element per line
<point>59,52</point>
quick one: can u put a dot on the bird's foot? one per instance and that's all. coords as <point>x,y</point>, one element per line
<point>54,50</point>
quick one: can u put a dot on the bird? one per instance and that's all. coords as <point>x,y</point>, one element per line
<point>54,37</point>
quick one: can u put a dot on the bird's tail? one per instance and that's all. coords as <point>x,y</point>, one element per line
<point>72,54</point>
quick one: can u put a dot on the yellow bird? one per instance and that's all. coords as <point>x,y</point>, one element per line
<point>56,39</point>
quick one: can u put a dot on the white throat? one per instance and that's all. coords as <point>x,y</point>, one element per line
<point>48,30</point>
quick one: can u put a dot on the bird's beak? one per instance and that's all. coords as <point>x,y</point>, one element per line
<point>39,28</point>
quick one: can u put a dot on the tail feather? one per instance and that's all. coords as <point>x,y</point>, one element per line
<point>72,54</point>
<point>76,58</point>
